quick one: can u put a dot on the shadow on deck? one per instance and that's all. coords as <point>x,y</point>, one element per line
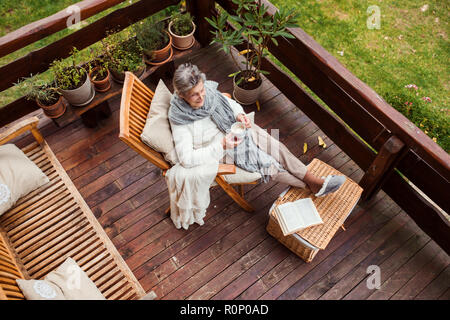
<point>232,256</point>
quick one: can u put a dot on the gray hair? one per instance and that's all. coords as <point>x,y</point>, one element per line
<point>186,77</point>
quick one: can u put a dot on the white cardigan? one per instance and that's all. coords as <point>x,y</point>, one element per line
<point>200,142</point>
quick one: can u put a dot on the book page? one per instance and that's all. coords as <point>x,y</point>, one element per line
<point>291,216</point>
<point>308,212</point>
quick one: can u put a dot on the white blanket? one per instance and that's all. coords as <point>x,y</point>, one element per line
<point>189,192</point>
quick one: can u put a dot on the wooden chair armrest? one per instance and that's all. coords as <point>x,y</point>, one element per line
<point>226,169</point>
<point>29,124</point>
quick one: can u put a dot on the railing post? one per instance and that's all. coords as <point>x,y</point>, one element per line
<point>388,156</point>
<point>200,9</point>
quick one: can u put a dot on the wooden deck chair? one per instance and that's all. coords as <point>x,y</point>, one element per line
<point>134,107</point>
<point>52,223</point>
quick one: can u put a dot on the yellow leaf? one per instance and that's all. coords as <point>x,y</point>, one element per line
<point>305,147</point>
<point>257,105</point>
<point>321,142</point>
<point>244,51</point>
<point>251,79</point>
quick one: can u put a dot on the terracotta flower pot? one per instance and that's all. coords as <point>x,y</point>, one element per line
<point>182,42</point>
<point>54,111</point>
<point>246,96</point>
<point>120,76</point>
<point>158,57</point>
<point>80,96</point>
<point>101,85</point>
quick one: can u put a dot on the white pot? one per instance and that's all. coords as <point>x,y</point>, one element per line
<point>80,96</point>
<point>245,97</point>
<point>182,42</point>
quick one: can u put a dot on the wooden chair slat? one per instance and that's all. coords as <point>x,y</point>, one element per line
<point>38,215</point>
<point>43,232</point>
<point>31,248</point>
<point>53,253</point>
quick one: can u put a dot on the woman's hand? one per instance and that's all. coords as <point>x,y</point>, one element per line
<point>244,119</point>
<point>230,141</point>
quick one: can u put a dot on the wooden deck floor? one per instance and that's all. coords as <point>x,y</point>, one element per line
<point>232,256</point>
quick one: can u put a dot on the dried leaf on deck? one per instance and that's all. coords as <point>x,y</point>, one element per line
<point>321,142</point>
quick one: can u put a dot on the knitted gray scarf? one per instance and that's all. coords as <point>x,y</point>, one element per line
<point>246,155</point>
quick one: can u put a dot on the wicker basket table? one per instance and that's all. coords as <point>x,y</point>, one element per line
<point>333,209</point>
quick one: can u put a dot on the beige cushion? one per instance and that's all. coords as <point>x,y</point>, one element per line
<point>18,176</point>
<point>67,282</point>
<point>40,290</point>
<point>157,133</point>
<point>242,176</point>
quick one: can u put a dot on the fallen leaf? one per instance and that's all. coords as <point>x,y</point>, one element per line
<point>244,51</point>
<point>305,147</point>
<point>321,142</point>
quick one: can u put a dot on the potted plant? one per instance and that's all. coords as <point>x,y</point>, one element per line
<point>72,80</point>
<point>182,28</point>
<point>46,95</point>
<point>123,53</point>
<point>98,71</point>
<point>155,41</point>
<point>258,29</point>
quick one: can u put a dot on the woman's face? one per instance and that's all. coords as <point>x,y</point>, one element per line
<point>196,96</point>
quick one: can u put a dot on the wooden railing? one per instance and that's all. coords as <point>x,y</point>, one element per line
<point>403,150</point>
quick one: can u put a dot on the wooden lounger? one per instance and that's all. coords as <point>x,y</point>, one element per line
<point>53,223</point>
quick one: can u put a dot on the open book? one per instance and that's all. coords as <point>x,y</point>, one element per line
<point>297,215</point>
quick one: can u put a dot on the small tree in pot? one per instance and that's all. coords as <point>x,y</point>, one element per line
<point>72,80</point>
<point>123,53</point>
<point>182,28</point>
<point>258,29</point>
<point>46,95</point>
<point>155,41</point>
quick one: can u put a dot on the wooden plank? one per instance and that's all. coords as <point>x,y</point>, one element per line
<point>437,287</point>
<point>392,283</point>
<point>396,250</point>
<point>424,277</point>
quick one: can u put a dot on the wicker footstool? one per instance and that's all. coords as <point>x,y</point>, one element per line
<point>333,209</point>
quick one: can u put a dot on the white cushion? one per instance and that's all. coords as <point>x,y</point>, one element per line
<point>18,176</point>
<point>67,282</point>
<point>157,133</point>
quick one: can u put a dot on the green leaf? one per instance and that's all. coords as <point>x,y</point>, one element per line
<point>233,74</point>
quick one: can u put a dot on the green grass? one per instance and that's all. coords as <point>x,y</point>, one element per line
<point>411,47</point>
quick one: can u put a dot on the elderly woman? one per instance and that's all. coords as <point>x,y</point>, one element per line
<point>201,117</point>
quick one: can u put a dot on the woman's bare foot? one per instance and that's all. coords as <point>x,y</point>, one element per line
<point>314,183</point>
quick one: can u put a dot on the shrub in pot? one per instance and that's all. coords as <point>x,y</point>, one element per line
<point>72,80</point>
<point>258,29</point>
<point>45,94</point>
<point>182,28</point>
<point>155,41</point>
<point>123,53</point>
<point>98,71</point>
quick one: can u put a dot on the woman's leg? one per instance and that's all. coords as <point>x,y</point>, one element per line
<point>297,173</point>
